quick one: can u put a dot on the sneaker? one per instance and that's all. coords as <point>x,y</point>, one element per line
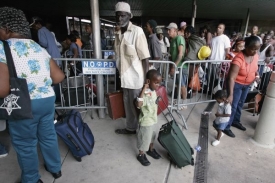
<point>222,134</point>
<point>3,152</point>
<point>215,143</point>
<point>143,160</point>
<point>153,154</point>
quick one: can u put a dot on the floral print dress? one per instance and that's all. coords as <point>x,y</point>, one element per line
<point>32,62</point>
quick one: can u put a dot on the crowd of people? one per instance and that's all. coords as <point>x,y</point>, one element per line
<point>133,50</point>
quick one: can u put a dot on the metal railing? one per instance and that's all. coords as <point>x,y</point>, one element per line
<point>89,53</point>
<point>78,91</point>
<point>211,74</point>
<point>264,70</point>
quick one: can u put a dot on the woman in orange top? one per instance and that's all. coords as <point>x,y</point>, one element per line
<point>243,71</point>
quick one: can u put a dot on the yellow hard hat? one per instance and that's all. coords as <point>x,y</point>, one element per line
<point>204,52</point>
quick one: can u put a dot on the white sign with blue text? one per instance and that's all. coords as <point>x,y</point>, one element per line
<point>99,67</point>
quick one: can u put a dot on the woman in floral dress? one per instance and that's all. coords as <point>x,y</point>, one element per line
<point>33,63</point>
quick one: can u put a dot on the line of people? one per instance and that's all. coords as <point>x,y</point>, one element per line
<point>133,50</point>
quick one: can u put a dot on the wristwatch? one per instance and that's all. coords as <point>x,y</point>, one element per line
<point>139,99</point>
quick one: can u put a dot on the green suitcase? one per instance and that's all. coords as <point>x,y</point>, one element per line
<point>172,139</point>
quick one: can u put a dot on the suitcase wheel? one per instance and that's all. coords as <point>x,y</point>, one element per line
<point>77,158</point>
<point>192,150</point>
<point>172,161</point>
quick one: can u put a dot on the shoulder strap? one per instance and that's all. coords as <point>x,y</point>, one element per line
<point>164,40</point>
<point>9,58</point>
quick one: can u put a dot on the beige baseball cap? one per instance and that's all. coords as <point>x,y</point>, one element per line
<point>172,25</point>
<point>125,7</point>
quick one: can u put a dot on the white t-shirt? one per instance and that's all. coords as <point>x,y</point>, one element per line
<point>218,46</point>
<point>223,109</point>
<point>261,41</point>
<point>164,46</point>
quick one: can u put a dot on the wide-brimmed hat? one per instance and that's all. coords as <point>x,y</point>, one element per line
<point>125,7</point>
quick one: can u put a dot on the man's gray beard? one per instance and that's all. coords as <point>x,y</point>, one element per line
<point>124,25</point>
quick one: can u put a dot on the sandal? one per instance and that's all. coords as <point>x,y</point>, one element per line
<point>124,131</point>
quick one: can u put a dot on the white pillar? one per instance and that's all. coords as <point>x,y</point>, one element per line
<point>194,13</point>
<point>247,22</point>
<point>97,54</point>
<point>265,131</point>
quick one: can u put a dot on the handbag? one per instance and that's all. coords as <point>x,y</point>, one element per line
<point>194,83</point>
<point>17,105</point>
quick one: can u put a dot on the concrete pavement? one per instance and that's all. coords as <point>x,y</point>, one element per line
<point>114,156</point>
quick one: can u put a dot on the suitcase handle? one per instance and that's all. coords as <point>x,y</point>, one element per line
<point>169,112</point>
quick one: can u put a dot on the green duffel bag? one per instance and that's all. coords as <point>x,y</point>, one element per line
<point>172,139</point>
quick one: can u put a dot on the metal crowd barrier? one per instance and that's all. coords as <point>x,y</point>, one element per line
<point>89,53</point>
<point>78,91</point>
<point>211,74</point>
<point>264,70</point>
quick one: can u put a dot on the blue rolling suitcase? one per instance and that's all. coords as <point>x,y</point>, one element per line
<point>76,134</point>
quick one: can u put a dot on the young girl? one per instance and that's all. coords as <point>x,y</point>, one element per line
<point>222,115</point>
<point>236,48</point>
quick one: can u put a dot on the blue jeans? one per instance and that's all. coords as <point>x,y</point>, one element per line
<point>239,95</point>
<point>25,134</point>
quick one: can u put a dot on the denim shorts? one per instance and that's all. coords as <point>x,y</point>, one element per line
<point>220,126</point>
<point>184,77</point>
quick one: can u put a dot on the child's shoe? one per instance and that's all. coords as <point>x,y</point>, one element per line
<point>222,134</point>
<point>153,154</point>
<point>3,151</point>
<point>143,160</point>
<point>215,143</point>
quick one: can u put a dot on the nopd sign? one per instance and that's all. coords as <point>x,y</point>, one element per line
<point>99,67</point>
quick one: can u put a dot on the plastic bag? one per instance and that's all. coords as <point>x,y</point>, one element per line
<point>195,81</point>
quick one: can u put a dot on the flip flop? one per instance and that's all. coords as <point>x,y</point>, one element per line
<point>124,131</point>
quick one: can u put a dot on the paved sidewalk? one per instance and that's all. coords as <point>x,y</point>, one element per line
<point>114,157</point>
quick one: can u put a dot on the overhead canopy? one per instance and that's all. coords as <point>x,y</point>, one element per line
<point>206,9</point>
